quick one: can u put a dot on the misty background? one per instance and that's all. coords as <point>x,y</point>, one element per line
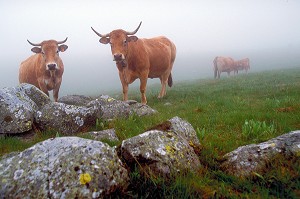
<point>267,32</point>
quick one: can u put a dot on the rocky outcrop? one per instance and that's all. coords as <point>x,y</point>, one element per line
<point>67,167</point>
<point>108,134</point>
<point>246,160</point>
<point>67,119</point>
<point>164,152</point>
<point>17,108</point>
<point>23,106</point>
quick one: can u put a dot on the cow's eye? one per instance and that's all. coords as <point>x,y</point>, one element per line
<point>125,42</point>
<point>57,51</point>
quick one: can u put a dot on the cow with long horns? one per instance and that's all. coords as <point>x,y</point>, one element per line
<point>45,68</point>
<point>141,58</point>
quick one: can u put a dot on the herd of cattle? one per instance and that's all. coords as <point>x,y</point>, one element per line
<point>135,59</point>
<point>227,64</point>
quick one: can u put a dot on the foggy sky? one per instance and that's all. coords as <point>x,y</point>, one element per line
<point>267,32</point>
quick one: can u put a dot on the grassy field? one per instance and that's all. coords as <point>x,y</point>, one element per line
<point>226,114</point>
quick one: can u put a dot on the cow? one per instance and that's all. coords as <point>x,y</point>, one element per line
<point>45,68</point>
<point>223,64</point>
<point>242,64</point>
<point>138,58</point>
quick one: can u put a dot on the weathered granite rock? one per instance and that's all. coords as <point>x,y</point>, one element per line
<point>161,153</point>
<point>17,107</point>
<point>66,119</point>
<point>245,160</point>
<point>108,134</point>
<point>67,167</point>
<point>78,100</point>
<point>111,108</point>
<point>183,129</point>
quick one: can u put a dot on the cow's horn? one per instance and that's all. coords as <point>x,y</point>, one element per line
<point>132,33</point>
<point>61,42</point>
<point>34,44</point>
<point>100,35</point>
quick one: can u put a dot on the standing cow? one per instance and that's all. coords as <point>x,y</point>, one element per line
<point>44,69</point>
<point>223,64</point>
<point>242,64</point>
<point>141,58</point>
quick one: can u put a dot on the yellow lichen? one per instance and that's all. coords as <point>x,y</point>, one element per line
<point>85,178</point>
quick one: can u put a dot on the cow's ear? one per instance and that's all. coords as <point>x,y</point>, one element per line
<point>132,38</point>
<point>36,50</point>
<point>104,40</point>
<point>62,48</point>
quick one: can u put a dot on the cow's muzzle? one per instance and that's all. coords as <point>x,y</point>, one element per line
<point>118,57</point>
<point>51,66</point>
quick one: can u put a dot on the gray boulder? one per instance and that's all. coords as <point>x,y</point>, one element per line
<point>245,160</point>
<point>67,119</point>
<point>160,153</point>
<point>17,108</point>
<point>110,107</point>
<point>67,167</point>
<point>78,100</point>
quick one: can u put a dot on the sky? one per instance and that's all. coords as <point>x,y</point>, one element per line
<point>267,32</point>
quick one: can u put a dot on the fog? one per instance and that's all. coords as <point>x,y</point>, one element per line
<point>267,32</point>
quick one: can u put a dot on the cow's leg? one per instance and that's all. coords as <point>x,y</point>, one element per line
<point>56,90</point>
<point>163,80</point>
<point>124,86</point>
<point>143,85</point>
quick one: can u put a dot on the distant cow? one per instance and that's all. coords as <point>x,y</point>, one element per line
<point>141,58</point>
<point>223,64</point>
<point>44,69</point>
<point>242,64</point>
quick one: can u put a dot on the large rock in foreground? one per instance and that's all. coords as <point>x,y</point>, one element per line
<point>245,160</point>
<point>17,108</point>
<point>68,167</point>
<point>166,151</point>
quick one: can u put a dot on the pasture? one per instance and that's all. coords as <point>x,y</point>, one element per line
<point>221,112</point>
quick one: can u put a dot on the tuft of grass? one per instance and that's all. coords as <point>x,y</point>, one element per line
<point>256,130</point>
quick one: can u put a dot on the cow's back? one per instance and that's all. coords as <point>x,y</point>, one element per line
<point>28,70</point>
<point>225,64</point>
<point>161,53</point>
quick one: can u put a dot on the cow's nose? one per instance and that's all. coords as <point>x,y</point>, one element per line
<point>51,66</point>
<point>118,57</point>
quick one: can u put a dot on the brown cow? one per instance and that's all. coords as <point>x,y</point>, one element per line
<point>242,64</point>
<point>44,69</point>
<point>141,58</point>
<point>223,64</point>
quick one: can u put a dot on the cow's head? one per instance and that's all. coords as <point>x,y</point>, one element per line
<point>118,40</point>
<point>50,50</point>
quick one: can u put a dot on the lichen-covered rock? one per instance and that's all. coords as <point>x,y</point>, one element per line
<point>78,100</point>
<point>66,167</point>
<point>108,134</point>
<point>186,130</point>
<point>162,153</point>
<point>17,108</point>
<point>245,160</point>
<point>183,129</point>
<point>66,119</point>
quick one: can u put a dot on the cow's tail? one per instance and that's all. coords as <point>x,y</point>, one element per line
<point>170,80</point>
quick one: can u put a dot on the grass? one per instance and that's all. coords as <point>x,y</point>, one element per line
<point>226,113</point>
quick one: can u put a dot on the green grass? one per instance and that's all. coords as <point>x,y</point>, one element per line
<point>226,113</point>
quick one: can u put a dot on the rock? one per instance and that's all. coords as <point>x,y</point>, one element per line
<point>245,160</point>
<point>162,153</point>
<point>108,134</point>
<point>17,108</point>
<point>66,167</point>
<point>67,119</point>
<point>78,100</point>
<point>183,129</point>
